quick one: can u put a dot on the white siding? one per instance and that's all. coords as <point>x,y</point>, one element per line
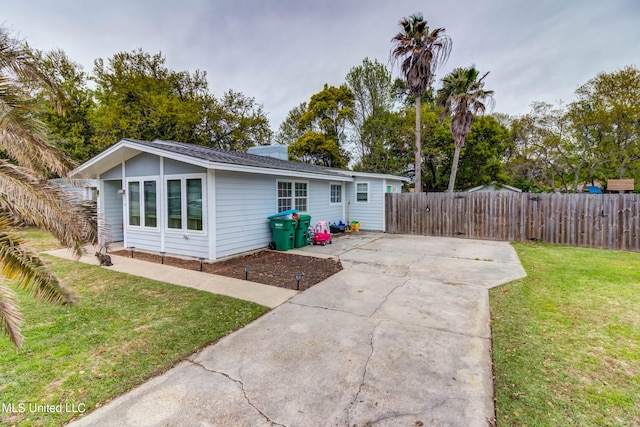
<point>371,213</point>
<point>195,245</point>
<point>113,173</point>
<point>172,167</point>
<point>111,209</point>
<point>320,207</point>
<point>243,203</point>
<point>142,165</point>
<point>140,238</point>
<point>182,242</point>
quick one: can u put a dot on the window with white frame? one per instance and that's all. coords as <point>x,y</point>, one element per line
<point>284,196</point>
<point>185,204</point>
<point>300,196</point>
<point>293,195</point>
<point>143,205</point>
<point>362,192</point>
<point>336,193</point>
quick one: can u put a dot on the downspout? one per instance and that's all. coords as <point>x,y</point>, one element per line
<point>125,214</point>
<point>160,196</point>
<point>384,205</point>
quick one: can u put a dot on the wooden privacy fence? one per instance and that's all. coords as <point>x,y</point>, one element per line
<point>609,221</point>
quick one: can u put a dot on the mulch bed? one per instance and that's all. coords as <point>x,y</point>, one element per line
<point>267,267</point>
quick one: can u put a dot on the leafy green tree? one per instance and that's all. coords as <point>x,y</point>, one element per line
<point>383,140</point>
<point>233,122</point>
<point>549,150</point>
<point>70,129</point>
<point>420,52</point>
<point>462,95</point>
<point>323,126</point>
<point>372,86</point>
<point>315,148</point>
<point>606,117</point>
<point>26,196</point>
<point>138,97</point>
<point>526,168</point>
<point>481,160</point>
<point>289,130</point>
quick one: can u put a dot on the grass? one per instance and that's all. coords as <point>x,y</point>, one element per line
<point>123,330</point>
<point>567,339</point>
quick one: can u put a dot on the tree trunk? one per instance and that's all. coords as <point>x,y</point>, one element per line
<point>418,165</point>
<point>454,168</point>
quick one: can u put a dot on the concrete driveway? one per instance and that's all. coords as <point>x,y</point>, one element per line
<point>400,337</point>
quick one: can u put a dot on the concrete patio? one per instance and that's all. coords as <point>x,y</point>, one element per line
<point>401,336</point>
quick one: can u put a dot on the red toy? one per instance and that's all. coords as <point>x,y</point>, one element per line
<point>321,233</point>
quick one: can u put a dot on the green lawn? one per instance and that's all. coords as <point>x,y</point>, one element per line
<point>123,330</point>
<point>567,339</point>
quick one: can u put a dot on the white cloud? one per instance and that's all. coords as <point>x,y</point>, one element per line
<point>282,52</point>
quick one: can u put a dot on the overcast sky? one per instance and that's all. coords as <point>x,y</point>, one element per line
<point>282,52</point>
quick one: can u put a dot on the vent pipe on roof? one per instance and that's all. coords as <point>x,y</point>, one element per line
<point>276,151</point>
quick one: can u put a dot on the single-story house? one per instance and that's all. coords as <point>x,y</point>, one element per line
<point>186,199</point>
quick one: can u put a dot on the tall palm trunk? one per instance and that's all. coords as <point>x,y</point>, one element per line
<point>454,168</point>
<point>418,165</point>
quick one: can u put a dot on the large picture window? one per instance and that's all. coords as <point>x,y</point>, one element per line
<point>185,204</point>
<point>292,195</point>
<point>143,207</point>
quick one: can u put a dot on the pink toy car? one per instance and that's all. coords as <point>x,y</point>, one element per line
<point>321,233</point>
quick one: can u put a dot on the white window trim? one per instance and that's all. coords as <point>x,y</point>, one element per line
<point>293,192</point>
<point>368,192</point>
<point>183,203</point>
<point>331,194</point>
<point>141,180</point>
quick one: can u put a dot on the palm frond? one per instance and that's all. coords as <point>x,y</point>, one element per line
<point>26,269</point>
<point>420,52</point>
<point>22,141</point>
<point>10,316</point>
<point>35,201</point>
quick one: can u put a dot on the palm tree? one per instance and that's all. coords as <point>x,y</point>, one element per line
<point>462,95</point>
<point>420,52</point>
<point>26,196</point>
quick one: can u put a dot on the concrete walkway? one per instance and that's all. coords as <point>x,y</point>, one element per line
<point>269,296</point>
<point>400,337</point>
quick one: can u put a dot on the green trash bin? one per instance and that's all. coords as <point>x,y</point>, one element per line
<point>302,234</point>
<point>283,231</point>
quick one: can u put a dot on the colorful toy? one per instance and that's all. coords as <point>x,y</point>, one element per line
<point>321,233</point>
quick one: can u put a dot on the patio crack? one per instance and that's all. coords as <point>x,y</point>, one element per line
<point>386,297</point>
<point>244,392</point>
<point>321,307</point>
<point>364,374</point>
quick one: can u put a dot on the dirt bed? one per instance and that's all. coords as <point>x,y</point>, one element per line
<point>267,267</point>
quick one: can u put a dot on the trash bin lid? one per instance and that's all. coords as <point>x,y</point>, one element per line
<point>283,213</point>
